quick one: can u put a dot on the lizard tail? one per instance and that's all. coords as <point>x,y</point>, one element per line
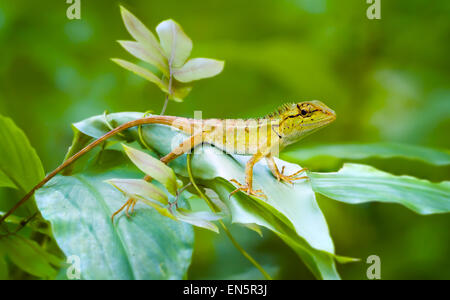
<point>181,123</point>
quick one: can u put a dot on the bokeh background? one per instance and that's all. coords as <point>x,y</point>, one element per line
<point>388,80</point>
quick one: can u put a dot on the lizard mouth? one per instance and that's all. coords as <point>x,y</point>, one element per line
<point>324,121</point>
<point>329,112</point>
<point>330,115</point>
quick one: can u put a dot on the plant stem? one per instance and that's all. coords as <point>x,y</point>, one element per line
<point>165,105</point>
<point>227,231</point>
<point>170,85</point>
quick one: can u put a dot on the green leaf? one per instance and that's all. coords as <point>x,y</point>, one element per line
<point>356,183</point>
<point>3,268</point>
<point>364,151</point>
<point>198,218</point>
<point>291,212</point>
<point>20,166</point>
<point>139,188</point>
<point>97,125</point>
<point>144,36</point>
<point>175,49</point>
<point>198,68</point>
<point>30,256</point>
<point>346,259</point>
<point>141,52</point>
<point>177,46</point>
<point>145,246</point>
<point>179,91</point>
<point>154,168</point>
<point>249,210</point>
<point>35,224</point>
<point>143,191</point>
<point>254,227</point>
<point>144,73</point>
<point>79,138</point>
<point>5,181</point>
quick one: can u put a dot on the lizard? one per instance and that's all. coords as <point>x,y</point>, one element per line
<point>261,138</point>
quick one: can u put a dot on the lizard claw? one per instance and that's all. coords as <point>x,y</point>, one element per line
<point>292,177</point>
<point>129,204</point>
<point>247,189</point>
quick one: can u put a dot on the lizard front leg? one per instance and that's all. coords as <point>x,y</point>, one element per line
<point>181,149</point>
<point>249,178</point>
<point>184,147</point>
<point>279,175</point>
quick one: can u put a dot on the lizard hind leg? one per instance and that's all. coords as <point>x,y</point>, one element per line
<point>185,146</point>
<point>293,177</point>
<point>280,175</point>
<point>247,188</point>
<point>131,202</point>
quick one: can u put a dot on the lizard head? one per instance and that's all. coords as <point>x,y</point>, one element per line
<point>297,120</point>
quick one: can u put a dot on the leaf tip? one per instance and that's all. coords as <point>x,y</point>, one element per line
<point>126,148</point>
<point>123,11</point>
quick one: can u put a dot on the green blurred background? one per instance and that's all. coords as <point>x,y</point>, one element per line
<point>388,80</point>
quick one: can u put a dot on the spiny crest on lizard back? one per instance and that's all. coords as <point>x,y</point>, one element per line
<point>280,110</point>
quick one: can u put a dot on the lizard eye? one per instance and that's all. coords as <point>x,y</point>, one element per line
<point>304,112</point>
